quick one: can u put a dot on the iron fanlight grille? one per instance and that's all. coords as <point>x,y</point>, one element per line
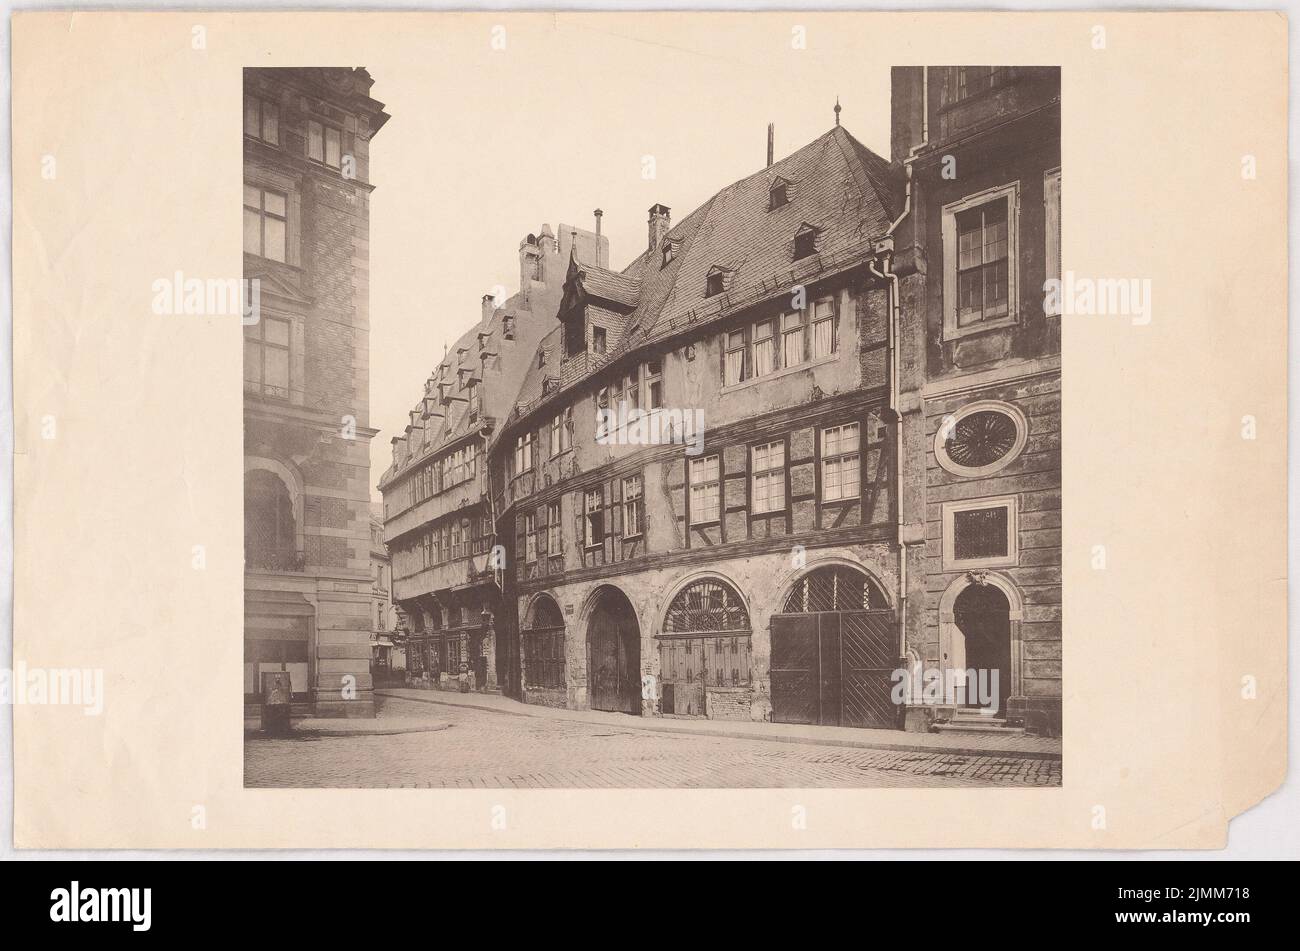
<point>833,589</point>
<point>706,607</point>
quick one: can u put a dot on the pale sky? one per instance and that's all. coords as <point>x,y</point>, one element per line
<point>485,146</point>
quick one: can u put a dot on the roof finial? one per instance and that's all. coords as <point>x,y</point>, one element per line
<point>837,110</point>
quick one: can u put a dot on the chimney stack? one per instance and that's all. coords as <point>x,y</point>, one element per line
<point>600,257</point>
<point>660,222</point>
<point>771,137</point>
<point>489,304</point>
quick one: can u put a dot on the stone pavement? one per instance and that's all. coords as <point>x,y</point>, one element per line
<point>381,725</point>
<point>483,749</point>
<point>1031,747</point>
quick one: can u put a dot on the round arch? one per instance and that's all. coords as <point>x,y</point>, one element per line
<point>951,638</point>
<point>612,634</point>
<point>661,609</point>
<point>543,603</point>
<point>792,578</point>
<point>292,482</point>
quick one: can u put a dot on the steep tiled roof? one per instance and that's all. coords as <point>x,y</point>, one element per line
<point>836,184</point>
<point>840,187</point>
<point>612,286</point>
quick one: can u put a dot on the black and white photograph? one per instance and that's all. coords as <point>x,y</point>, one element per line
<point>770,498</point>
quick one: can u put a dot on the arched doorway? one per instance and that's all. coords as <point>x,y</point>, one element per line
<point>982,615</point>
<point>705,642</point>
<point>614,653</point>
<point>834,651</point>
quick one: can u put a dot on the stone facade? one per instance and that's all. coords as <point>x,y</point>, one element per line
<point>308,585</point>
<point>981,141</point>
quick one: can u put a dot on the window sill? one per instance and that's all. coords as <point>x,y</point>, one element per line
<point>953,332</point>
<point>973,564</point>
<point>710,524</point>
<point>777,374</point>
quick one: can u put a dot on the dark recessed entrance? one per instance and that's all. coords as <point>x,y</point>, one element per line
<point>614,646</point>
<point>983,616</point>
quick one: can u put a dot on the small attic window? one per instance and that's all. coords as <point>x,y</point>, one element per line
<point>714,283</point>
<point>541,359</point>
<point>778,194</point>
<point>599,341</point>
<point>508,327</point>
<point>805,242</point>
<point>670,252</point>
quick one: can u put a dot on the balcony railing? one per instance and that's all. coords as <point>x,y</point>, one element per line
<point>275,559</point>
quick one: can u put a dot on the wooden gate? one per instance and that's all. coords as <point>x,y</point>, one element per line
<point>834,668</point>
<point>615,657</point>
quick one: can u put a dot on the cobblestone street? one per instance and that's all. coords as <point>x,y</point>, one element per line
<point>489,749</point>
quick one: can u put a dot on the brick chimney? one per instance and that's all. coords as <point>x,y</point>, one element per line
<point>660,222</point>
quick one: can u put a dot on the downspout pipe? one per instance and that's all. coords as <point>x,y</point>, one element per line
<point>885,272</point>
<point>888,276</point>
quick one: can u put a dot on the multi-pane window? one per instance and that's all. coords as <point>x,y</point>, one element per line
<point>792,338</point>
<point>823,326</point>
<point>769,477</point>
<point>561,432</point>
<point>840,465</point>
<point>653,394</point>
<point>266,357</point>
<point>735,358</point>
<point>266,217</point>
<point>633,506</point>
<point>524,452</point>
<point>262,119</point>
<point>529,554</point>
<point>324,144</point>
<point>972,80</point>
<point>982,262</point>
<point>593,518</point>
<point>764,347</point>
<point>554,534</point>
<point>705,490</point>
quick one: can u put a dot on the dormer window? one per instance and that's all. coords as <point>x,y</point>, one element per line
<point>670,252</point>
<point>778,194</point>
<point>599,339</point>
<point>541,359</point>
<point>716,281</point>
<point>805,242</point>
<point>508,327</point>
